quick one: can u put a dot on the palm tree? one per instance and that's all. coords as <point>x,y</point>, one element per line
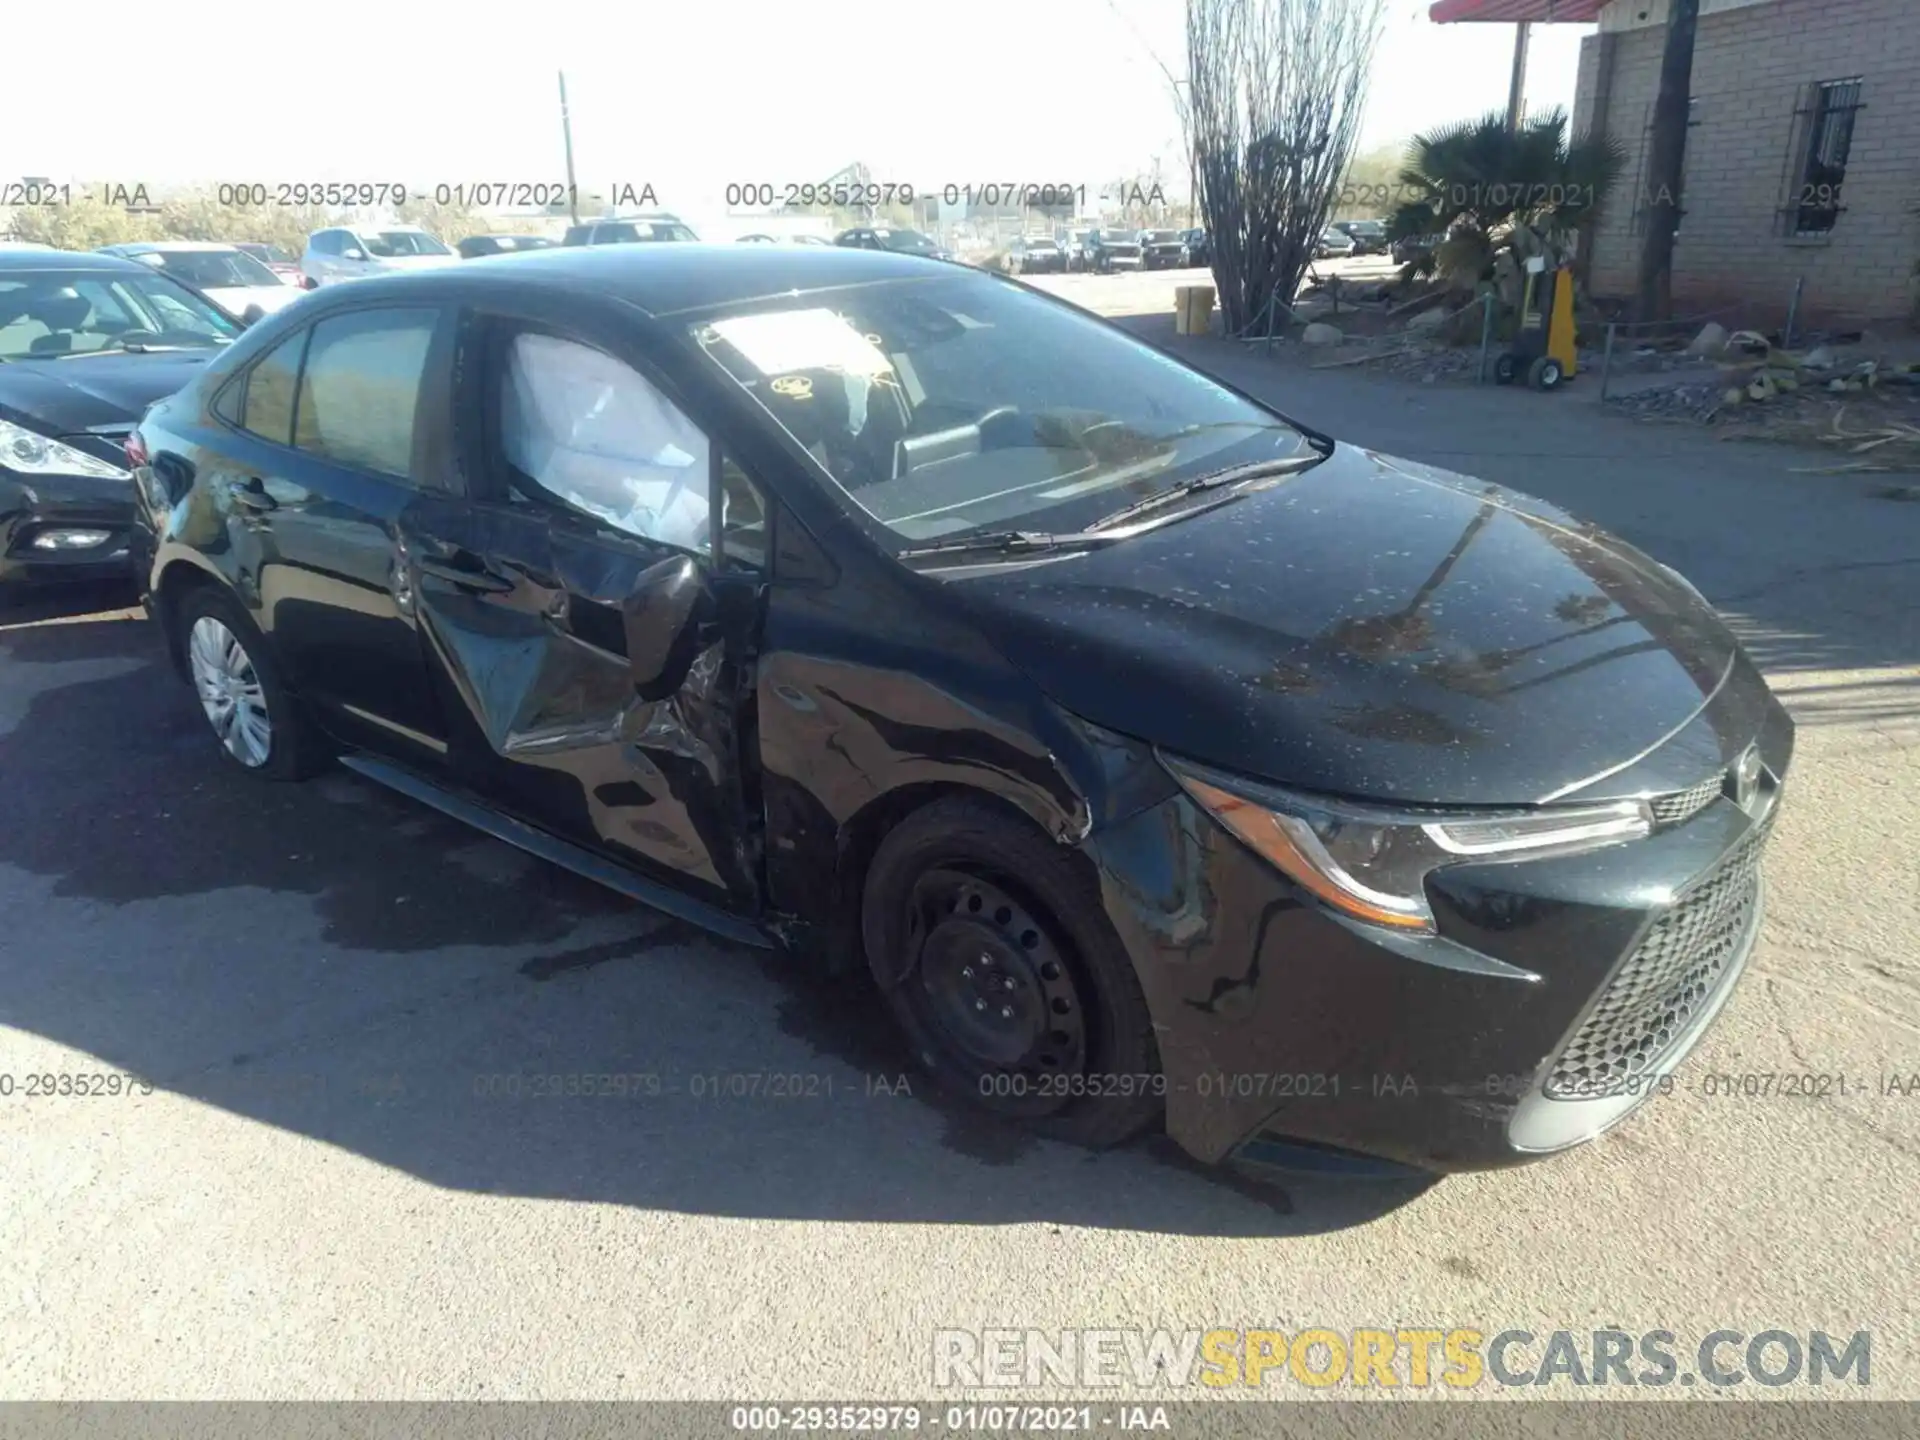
<point>1490,190</point>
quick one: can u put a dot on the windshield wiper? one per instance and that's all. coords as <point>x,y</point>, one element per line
<point>1232,475</point>
<point>1009,541</point>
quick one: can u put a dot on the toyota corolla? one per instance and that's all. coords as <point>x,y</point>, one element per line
<point>1163,762</point>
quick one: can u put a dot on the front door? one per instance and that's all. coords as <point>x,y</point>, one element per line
<point>579,697</point>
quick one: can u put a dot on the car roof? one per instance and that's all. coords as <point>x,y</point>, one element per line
<point>674,279</point>
<point>166,247</point>
<point>16,260</point>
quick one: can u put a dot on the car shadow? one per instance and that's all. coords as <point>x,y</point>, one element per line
<point>342,964</point>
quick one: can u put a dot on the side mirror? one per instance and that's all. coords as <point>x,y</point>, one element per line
<point>253,316</point>
<point>664,613</point>
<point>353,252</point>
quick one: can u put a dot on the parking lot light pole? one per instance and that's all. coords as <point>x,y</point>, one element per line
<point>566,139</point>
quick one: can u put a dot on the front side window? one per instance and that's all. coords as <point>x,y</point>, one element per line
<point>57,313</point>
<point>594,433</point>
<point>361,388</point>
<point>967,404</point>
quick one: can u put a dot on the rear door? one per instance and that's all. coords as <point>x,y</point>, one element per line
<point>326,453</point>
<point>572,702</point>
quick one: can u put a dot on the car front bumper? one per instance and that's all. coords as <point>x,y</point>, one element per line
<point>1556,996</point>
<point>35,506</point>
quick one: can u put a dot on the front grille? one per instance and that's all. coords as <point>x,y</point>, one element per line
<point>1665,983</point>
<point>1683,805</point>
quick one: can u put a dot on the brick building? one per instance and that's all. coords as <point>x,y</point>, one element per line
<point>1803,152</point>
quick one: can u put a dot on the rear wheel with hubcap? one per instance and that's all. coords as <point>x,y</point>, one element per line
<point>252,713</point>
<point>1007,976</point>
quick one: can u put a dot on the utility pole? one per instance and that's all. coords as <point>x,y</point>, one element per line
<point>566,138</point>
<point>1517,87</point>
<point>1666,157</point>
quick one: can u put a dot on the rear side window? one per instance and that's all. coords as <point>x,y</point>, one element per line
<point>361,388</point>
<point>271,386</point>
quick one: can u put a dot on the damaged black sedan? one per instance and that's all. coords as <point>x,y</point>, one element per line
<point>1163,762</point>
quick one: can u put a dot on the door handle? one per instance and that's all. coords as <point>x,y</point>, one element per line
<point>478,579</point>
<point>253,496</point>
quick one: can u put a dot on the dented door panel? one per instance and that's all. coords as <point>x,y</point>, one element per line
<point>526,614</point>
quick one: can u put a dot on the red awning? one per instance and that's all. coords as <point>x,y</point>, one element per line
<point>1567,12</point>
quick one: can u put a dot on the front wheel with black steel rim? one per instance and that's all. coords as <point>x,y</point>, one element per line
<point>251,712</point>
<point>994,953</point>
<point>1506,368</point>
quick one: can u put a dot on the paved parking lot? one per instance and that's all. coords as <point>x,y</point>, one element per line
<point>326,1196</point>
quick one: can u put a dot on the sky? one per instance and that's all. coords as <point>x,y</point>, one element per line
<point>685,97</point>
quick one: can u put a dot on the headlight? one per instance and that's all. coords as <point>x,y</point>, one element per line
<point>28,452</point>
<point>1371,862</point>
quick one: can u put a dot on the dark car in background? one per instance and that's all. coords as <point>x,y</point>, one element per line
<point>1110,250</point>
<point>1333,245</point>
<point>475,247</point>
<point>1195,248</point>
<point>1142,747</point>
<point>1162,249</point>
<point>1036,255</point>
<point>650,228</point>
<point>1416,249</point>
<point>1369,237</point>
<point>87,342</point>
<point>896,239</point>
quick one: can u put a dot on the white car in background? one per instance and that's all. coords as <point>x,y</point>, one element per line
<point>229,277</point>
<point>349,253</point>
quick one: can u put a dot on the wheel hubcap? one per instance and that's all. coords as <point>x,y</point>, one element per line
<point>230,691</point>
<point>999,989</point>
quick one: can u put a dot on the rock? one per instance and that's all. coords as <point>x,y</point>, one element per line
<point>1710,341</point>
<point>1428,321</point>
<point>1818,358</point>
<point>1320,333</point>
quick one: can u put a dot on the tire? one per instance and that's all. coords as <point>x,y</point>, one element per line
<point>1545,374</point>
<point>1505,369</point>
<point>963,901</point>
<point>291,748</point>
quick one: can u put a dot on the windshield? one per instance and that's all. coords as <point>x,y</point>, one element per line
<point>386,244</point>
<point>644,230</point>
<point>949,406</point>
<point>1117,237</point>
<point>47,314</point>
<point>1163,237</point>
<point>212,269</point>
<point>270,254</point>
<point>912,242</point>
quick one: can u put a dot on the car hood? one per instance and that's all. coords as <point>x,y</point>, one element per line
<point>234,299</point>
<point>64,397</point>
<point>1371,627</point>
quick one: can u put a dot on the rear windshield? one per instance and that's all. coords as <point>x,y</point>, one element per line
<point>388,243</point>
<point>212,269</point>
